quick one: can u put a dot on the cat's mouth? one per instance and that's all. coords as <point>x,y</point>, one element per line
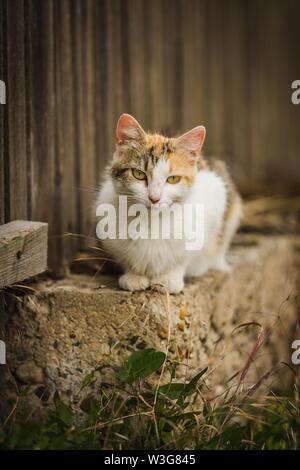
<point>155,206</point>
<point>158,206</point>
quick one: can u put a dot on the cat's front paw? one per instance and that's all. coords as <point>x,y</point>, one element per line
<point>174,284</point>
<point>222,265</point>
<point>133,282</point>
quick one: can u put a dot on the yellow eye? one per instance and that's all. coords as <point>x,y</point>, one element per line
<point>173,179</point>
<point>139,174</point>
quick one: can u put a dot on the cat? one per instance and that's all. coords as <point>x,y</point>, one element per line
<point>158,172</point>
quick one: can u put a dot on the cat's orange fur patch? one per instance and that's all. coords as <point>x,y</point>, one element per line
<point>179,165</point>
<point>156,141</point>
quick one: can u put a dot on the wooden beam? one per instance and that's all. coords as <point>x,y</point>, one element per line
<point>23,251</point>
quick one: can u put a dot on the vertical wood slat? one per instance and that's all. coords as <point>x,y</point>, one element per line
<point>292,72</point>
<point>41,127</point>
<point>65,166</point>
<point>100,89</point>
<point>84,112</point>
<point>16,205</point>
<point>114,83</point>
<point>192,111</point>
<point>172,94</point>
<point>154,115</point>
<point>2,114</point>
<point>237,88</point>
<point>216,76</point>
<point>137,59</point>
<point>261,67</point>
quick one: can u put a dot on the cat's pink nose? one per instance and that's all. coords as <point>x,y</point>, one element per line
<point>153,199</point>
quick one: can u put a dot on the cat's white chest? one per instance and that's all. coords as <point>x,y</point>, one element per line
<point>152,257</point>
<point>149,253</point>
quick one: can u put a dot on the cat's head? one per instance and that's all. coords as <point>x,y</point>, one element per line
<point>152,169</point>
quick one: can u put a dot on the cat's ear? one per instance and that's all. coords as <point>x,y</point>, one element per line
<point>128,129</point>
<point>191,143</point>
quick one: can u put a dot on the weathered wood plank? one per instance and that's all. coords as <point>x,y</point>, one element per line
<point>3,111</point>
<point>238,92</point>
<point>2,189</point>
<point>82,16</point>
<point>101,90</point>
<point>136,32</point>
<point>65,163</point>
<point>23,251</point>
<point>171,95</point>
<point>216,79</point>
<point>191,94</point>
<point>41,103</point>
<point>17,204</point>
<point>156,113</point>
<point>291,72</point>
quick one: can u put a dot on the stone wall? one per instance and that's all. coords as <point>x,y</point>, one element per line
<point>59,331</point>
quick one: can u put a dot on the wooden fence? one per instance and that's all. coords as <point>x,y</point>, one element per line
<point>71,67</point>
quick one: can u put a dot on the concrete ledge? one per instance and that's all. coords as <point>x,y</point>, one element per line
<point>58,333</point>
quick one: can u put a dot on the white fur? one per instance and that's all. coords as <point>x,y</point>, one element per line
<point>149,262</point>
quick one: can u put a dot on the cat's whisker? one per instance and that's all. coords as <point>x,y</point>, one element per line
<point>88,188</point>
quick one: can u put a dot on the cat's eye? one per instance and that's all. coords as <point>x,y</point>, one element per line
<point>173,179</point>
<point>139,174</point>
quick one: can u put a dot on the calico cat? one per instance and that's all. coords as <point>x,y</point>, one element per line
<point>158,172</point>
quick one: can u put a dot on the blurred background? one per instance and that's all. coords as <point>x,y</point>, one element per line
<point>71,67</point>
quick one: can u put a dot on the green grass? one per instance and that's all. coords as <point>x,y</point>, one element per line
<point>133,414</point>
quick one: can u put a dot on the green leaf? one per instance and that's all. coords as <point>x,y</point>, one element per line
<point>172,390</point>
<point>88,379</point>
<point>230,438</point>
<point>64,413</point>
<point>141,364</point>
<point>191,387</point>
<point>173,367</point>
<point>176,391</point>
